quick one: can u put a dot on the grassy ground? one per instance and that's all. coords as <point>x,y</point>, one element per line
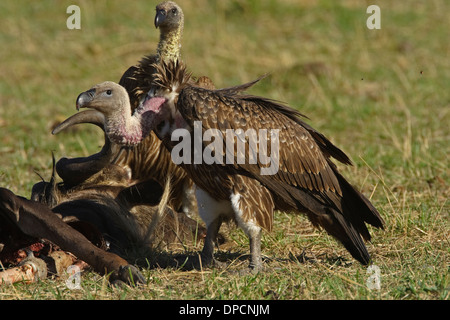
<point>381,95</point>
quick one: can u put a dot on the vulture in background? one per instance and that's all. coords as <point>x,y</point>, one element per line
<point>149,158</point>
<point>305,180</point>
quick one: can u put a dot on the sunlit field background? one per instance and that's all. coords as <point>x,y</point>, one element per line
<point>383,96</point>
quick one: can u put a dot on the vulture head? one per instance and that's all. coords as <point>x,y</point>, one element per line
<point>168,16</point>
<point>110,102</point>
<point>106,97</point>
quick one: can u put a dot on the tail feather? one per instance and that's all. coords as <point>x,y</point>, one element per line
<point>356,207</point>
<point>343,217</point>
<point>342,230</point>
<point>349,214</point>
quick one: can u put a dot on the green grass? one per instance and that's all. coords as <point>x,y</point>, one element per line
<point>380,95</point>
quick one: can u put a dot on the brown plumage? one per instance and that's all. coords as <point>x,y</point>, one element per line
<point>306,180</point>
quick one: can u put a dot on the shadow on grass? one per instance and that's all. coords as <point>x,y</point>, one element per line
<point>190,260</point>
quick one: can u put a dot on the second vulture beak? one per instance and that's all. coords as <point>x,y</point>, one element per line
<point>160,17</point>
<point>84,98</point>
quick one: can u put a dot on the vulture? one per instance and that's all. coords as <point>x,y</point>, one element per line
<point>149,158</point>
<point>305,179</point>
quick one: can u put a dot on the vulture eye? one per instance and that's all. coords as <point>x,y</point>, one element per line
<point>174,10</point>
<point>109,92</point>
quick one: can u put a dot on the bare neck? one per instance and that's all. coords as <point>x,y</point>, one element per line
<point>126,129</point>
<point>170,44</point>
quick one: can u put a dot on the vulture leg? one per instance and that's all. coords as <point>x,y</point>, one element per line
<point>37,220</point>
<point>253,208</point>
<point>255,251</point>
<point>212,232</point>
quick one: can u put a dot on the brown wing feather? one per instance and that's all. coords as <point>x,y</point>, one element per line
<point>301,160</point>
<point>307,180</point>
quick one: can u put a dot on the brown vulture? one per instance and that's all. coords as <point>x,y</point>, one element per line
<point>305,179</point>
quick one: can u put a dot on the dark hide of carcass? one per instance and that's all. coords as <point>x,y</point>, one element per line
<point>103,219</point>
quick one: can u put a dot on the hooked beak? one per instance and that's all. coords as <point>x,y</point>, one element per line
<point>160,17</point>
<point>84,98</point>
